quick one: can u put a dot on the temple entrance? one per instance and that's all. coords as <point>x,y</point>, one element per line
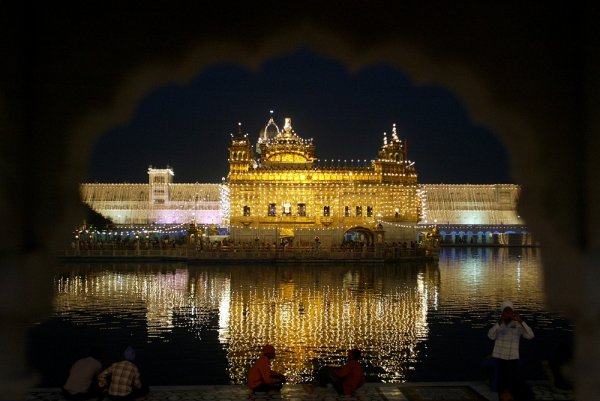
<point>357,237</point>
<point>286,236</point>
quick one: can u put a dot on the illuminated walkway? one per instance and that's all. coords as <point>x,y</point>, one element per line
<point>430,391</point>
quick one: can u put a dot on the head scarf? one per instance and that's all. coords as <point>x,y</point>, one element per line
<point>268,349</point>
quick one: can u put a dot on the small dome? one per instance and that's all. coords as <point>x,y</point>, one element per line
<point>271,130</point>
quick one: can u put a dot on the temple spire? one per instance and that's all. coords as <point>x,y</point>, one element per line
<point>394,134</point>
<point>385,139</point>
<point>287,128</point>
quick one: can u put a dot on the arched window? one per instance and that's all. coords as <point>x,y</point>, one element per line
<point>246,210</point>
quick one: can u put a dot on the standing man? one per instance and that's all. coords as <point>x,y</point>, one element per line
<point>506,333</point>
<point>260,375</point>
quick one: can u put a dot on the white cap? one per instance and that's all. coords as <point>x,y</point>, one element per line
<point>506,304</point>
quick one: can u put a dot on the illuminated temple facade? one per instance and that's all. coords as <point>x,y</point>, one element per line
<point>285,192</point>
<point>277,190</point>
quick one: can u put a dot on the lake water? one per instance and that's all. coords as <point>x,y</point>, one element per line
<point>205,324</point>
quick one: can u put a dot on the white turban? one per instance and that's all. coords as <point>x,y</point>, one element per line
<point>506,304</point>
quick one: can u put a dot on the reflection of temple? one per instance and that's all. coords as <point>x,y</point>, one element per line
<point>308,312</point>
<point>314,314</point>
<point>287,193</point>
<point>157,296</point>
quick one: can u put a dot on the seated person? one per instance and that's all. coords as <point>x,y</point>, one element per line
<point>261,377</point>
<point>346,379</point>
<point>82,383</point>
<point>124,376</point>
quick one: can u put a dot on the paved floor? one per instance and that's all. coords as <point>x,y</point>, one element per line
<point>446,391</point>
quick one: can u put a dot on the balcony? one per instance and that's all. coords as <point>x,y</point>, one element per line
<point>287,219</point>
<point>326,220</point>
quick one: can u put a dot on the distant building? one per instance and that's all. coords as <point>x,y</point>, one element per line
<point>161,201</point>
<point>471,204</point>
<point>278,191</point>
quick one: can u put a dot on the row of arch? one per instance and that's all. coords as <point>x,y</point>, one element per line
<point>239,155</point>
<point>495,237</point>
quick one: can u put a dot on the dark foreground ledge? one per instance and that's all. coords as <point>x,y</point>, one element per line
<point>426,391</point>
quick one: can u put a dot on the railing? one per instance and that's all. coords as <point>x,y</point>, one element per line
<point>249,254</point>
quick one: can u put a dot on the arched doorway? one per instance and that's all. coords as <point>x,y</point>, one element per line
<point>357,237</point>
<point>286,236</point>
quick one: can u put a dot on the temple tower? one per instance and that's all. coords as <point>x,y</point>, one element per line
<point>160,181</point>
<point>392,161</point>
<point>241,155</point>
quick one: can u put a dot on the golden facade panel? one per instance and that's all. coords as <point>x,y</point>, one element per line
<point>287,190</point>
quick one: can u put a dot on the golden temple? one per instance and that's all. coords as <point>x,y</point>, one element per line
<point>278,192</point>
<point>283,191</point>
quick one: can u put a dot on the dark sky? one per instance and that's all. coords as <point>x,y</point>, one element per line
<point>188,126</point>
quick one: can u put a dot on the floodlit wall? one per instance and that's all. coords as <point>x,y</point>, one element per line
<point>206,204</point>
<point>132,204</point>
<point>471,204</point>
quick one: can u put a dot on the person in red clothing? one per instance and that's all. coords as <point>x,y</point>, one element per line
<point>347,379</point>
<point>261,377</point>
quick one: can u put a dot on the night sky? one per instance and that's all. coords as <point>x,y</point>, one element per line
<point>188,126</point>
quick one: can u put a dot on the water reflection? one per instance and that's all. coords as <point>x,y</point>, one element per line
<point>311,313</point>
<point>315,313</point>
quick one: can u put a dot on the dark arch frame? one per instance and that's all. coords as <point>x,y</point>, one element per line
<point>69,82</point>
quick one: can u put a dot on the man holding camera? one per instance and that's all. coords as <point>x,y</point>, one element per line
<point>506,333</point>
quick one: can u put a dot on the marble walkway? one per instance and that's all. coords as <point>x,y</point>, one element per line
<point>429,391</point>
